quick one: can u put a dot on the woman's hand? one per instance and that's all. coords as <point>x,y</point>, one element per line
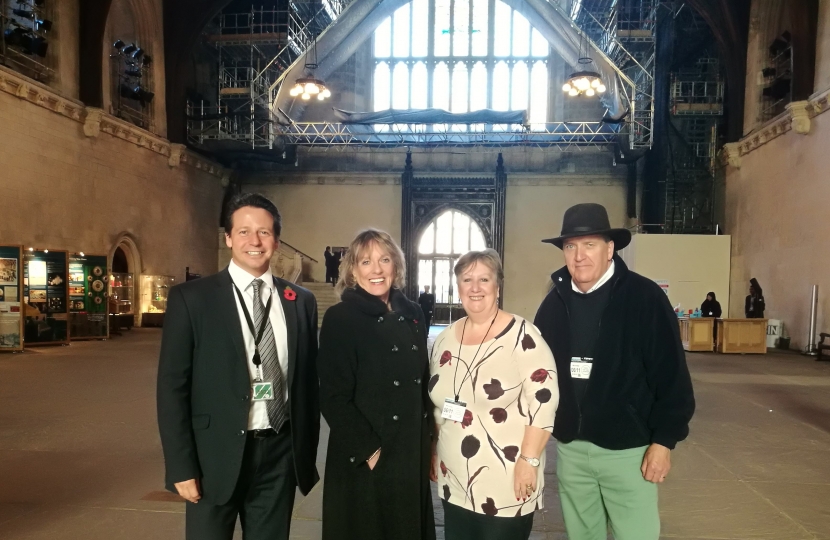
<point>433,473</point>
<point>524,480</point>
<point>372,461</point>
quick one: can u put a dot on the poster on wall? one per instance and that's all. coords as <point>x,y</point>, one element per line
<point>87,297</point>
<point>45,297</point>
<point>11,316</point>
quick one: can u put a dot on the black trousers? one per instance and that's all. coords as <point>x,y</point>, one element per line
<point>463,524</point>
<point>263,498</point>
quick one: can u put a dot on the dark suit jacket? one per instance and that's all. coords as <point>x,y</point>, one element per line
<point>204,386</point>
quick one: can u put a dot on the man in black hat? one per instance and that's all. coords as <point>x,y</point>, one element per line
<point>625,391</point>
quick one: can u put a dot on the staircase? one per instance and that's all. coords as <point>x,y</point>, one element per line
<point>324,293</point>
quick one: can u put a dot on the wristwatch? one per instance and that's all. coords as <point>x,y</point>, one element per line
<point>532,460</point>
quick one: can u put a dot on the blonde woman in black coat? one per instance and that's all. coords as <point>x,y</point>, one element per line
<point>373,368</point>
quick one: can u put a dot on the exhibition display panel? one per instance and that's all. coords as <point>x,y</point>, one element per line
<point>45,297</point>
<point>154,291</point>
<point>88,297</point>
<point>11,292</point>
<point>122,293</point>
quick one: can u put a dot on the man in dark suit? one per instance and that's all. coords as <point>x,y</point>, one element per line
<point>329,256</point>
<point>427,303</point>
<point>238,407</point>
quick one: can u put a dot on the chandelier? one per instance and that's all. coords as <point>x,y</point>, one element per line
<point>309,86</point>
<point>585,81</point>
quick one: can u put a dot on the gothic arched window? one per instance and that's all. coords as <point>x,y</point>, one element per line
<point>460,55</point>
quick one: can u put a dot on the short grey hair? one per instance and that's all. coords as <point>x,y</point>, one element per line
<point>490,257</point>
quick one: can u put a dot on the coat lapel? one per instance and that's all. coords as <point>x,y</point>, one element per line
<point>289,308</point>
<point>230,313</point>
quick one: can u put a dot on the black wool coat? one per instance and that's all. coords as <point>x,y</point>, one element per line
<point>374,368</point>
<point>640,391</point>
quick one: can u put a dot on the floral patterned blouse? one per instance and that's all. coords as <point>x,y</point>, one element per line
<point>510,384</point>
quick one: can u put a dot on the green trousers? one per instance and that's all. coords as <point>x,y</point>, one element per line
<point>598,487</point>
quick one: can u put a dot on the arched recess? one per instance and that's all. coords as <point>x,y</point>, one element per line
<point>139,22</point>
<point>424,199</point>
<point>441,241</point>
<point>128,245</point>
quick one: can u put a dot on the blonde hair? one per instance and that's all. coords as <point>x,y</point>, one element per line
<point>363,242</point>
<point>490,257</point>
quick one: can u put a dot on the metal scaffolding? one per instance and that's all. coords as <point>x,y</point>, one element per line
<point>563,135</point>
<point>697,96</point>
<point>253,49</point>
<point>24,43</point>
<point>625,31</point>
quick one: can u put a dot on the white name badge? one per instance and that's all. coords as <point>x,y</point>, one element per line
<point>581,367</point>
<point>453,410</point>
<point>263,391</point>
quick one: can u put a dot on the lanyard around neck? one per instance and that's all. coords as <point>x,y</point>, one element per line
<point>257,335</point>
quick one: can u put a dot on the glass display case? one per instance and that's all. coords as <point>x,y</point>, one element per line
<point>154,290</point>
<point>121,294</point>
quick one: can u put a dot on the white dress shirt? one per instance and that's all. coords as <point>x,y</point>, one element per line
<point>258,415</point>
<point>602,281</point>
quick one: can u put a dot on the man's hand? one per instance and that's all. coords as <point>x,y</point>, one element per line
<point>372,461</point>
<point>189,490</point>
<point>656,463</point>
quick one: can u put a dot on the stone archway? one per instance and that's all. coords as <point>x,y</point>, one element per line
<point>127,244</point>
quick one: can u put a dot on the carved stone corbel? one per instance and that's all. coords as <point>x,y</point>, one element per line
<point>176,152</point>
<point>800,113</point>
<point>731,155</point>
<point>92,122</point>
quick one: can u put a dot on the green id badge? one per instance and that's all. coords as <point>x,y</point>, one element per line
<point>263,391</point>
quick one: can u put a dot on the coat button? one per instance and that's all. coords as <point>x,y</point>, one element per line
<point>380,319</point>
<point>241,432</point>
<point>394,348</point>
<point>417,381</point>
<point>351,459</point>
<point>400,319</point>
<point>395,418</point>
<point>245,398</point>
<point>414,347</point>
<point>396,383</point>
<point>425,415</point>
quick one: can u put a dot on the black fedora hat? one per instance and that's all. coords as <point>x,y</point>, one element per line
<point>589,219</point>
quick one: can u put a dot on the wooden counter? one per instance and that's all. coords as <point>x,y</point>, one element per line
<point>742,336</point>
<point>697,334</point>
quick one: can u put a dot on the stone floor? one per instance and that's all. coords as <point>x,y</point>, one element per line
<point>80,455</point>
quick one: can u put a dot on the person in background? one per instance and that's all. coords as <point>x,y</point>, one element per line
<point>329,256</point>
<point>494,386</point>
<point>710,307</point>
<point>754,306</point>
<point>374,366</point>
<point>427,303</point>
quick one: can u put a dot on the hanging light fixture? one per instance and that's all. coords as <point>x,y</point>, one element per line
<point>309,86</point>
<point>585,81</point>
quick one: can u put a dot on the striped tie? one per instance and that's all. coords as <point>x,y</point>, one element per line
<point>271,370</point>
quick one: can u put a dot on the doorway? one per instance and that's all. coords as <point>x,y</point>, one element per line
<point>444,240</point>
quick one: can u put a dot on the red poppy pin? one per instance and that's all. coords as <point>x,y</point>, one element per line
<point>289,294</point>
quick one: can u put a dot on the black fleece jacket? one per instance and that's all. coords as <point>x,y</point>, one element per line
<point>640,391</point>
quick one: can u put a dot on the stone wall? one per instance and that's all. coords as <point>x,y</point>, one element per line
<point>60,189</point>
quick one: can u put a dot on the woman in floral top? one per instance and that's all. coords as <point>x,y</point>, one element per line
<point>494,372</point>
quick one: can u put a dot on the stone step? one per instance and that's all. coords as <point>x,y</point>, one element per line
<point>326,297</point>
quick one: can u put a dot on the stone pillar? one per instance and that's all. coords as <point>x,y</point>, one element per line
<point>63,43</point>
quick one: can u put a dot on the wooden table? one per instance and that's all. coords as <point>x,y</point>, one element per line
<point>742,336</point>
<point>697,334</point>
